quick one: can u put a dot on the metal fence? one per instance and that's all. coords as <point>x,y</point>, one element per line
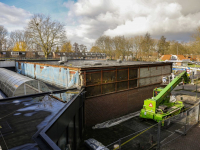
<point>157,136</point>
<point>180,124</point>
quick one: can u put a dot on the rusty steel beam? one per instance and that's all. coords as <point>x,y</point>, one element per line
<point>116,80</point>
<point>59,66</point>
<point>84,78</point>
<point>139,77</point>
<point>101,80</point>
<point>128,77</point>
<point>125,80</point>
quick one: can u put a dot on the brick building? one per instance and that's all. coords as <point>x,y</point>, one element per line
<point>112,88</point>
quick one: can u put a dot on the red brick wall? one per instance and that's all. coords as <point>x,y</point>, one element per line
<point>103,108</point>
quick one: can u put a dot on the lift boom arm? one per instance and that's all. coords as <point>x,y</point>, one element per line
<point>167,90</point>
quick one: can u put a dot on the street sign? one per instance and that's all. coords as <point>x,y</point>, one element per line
<point>164,79</point>
<point>178,69</point>
<point>188,70</point>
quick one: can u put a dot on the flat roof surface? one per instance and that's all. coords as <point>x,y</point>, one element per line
<point>20,119</point>
<point>96,63</point>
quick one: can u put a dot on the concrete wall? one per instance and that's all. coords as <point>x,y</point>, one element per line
<point>153,71</point>
<point>103,108</point>
<point>62,77</point>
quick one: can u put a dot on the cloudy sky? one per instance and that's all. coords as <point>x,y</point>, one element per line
<point>86,20</point>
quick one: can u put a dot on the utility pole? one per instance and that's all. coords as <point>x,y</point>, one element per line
<point>177,50</point>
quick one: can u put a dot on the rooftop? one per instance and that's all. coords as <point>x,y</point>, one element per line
<point>20,119</point>
<point>168,57</point>
<point>94,63</point>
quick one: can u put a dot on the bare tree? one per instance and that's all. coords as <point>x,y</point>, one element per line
<point>147,45</point>
<point>83,48</point>
<point>105,43</point>
<point>129,46</point>
<point>119,43</point>
<point>46,33</point>
<point>137,40</point>
<point>76,47</point>
<point>21,36</point>
<point>3,35</point>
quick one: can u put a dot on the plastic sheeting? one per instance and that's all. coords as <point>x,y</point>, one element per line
<point>116,121</point>
<point>14,84</point>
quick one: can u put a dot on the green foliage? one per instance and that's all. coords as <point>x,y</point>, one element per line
<point>66,47</point>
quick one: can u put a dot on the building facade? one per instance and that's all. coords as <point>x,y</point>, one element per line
<point>112,89</point>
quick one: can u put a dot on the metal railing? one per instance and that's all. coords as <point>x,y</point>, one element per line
<point>157,136</point>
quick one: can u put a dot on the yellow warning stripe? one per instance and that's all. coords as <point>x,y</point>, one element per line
<point>148,129</point>
<point>134,137</point>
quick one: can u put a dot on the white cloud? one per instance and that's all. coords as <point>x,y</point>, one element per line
<point>13,18</point>
<point>171,18</point>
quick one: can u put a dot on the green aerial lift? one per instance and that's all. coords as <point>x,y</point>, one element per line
<point>159,106</point>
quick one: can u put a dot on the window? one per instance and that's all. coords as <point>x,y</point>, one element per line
<point>109,76</point>
<point>122,85</point>
<point>174,57</point>
<point>122,75</point>
<point>14,53</point>
<point>93,78</point>
<point>132,83</point>
<point>88,54</point>
<point>132,73</point>
<point>40,53</point>
<point>108,88</point>
<point>93,54</point>
<point>93,91</point>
